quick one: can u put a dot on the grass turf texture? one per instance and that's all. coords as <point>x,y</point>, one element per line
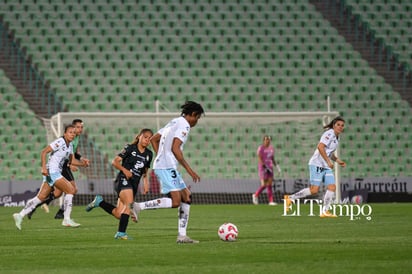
<point>268,242</point>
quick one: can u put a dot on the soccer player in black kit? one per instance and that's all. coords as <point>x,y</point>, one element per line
<point>133,163</point>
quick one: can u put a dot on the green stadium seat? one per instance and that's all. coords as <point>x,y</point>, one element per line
<point>283,52</point>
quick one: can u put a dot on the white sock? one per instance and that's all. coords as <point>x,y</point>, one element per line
<point>157,203</point>
<point>31,204</point>
<point>301,194</point>
<point>327,199</point>
<point>183,211</point>
<point>68,203</point>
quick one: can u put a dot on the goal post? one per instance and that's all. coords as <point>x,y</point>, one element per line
<point>221,149</point>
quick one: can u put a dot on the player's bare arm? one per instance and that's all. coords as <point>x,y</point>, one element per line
<point>337,160</point>
<point>180,158</point>
<point>82,159</point>
<point>75,162</point>
<point>322,151</point>
<point>146,186</point>
<point>117,164</point>
<point>43,156</point>
<point>155,140</point>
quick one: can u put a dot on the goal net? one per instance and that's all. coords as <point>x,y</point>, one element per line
<point>221,149</point>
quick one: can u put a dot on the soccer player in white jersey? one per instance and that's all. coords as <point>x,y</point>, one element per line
<point>66,172</point>
<point>168,144</point>
<point>59,151</point>
<point>321,167</point>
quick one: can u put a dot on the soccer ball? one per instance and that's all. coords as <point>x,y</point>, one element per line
<point>357,199</point>
<point>228,232</point>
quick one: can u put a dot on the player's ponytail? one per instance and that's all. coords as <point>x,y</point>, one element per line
<point>333,122</point>
<point>143,131</point>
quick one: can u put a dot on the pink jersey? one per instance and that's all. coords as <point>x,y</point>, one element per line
<point>266,154</point>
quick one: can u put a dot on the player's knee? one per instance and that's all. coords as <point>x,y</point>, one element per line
<point>314,190</point>
<point>75,189</point>
<point>42,197</point>
<point>188,199</point>
<point>175,200</point>
<point>70,190</point>
<point>332,187</point>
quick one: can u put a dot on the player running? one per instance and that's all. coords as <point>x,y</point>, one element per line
<point>66,172</point>
<point>168,143</point>
<point>60,150</point>
<point>320,167</point>
<point>133,162</point>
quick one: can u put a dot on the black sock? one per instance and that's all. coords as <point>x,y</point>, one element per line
<point>124,221</point>
<point>49,199</point>
<point>107,207</point>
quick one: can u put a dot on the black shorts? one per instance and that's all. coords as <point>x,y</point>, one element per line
<point>122,183</point>
<point>67,173</point>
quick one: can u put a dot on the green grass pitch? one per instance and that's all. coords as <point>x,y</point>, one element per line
<point>268,242</point>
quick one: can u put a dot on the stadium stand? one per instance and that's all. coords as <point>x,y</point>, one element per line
<point>231,56</point>
<point>22,136</point>
<point>390,20</point>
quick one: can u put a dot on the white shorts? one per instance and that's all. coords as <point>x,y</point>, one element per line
<point>52,178</point>
<point>170,180</point>
<point>321,174</point>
